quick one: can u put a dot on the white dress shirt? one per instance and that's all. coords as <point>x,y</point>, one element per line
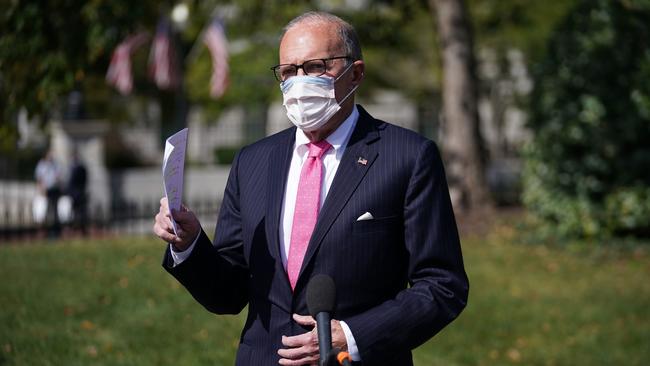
<point>331,159</point>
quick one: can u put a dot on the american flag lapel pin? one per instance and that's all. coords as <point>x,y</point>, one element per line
<point>362,161</point>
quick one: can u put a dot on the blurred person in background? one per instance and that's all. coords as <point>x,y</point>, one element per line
<point>48,184</point>
<point>77,191</point>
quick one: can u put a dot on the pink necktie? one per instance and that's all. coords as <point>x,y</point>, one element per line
<point>307,206</point>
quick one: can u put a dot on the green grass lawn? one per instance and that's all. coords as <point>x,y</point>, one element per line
<point>108,302</point>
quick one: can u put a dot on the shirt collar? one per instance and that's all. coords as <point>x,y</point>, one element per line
<point>339,138</point>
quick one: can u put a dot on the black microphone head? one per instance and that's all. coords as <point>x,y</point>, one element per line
<point>321,294</point>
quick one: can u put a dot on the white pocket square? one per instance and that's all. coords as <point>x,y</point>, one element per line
<point>365,216</point>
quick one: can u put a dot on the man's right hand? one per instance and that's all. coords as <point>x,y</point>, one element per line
<point>187,225</point>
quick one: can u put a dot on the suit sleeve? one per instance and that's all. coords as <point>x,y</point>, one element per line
<point>217,275</point>
<point>438,284</point>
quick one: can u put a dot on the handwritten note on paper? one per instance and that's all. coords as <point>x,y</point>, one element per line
<point>172,170</point>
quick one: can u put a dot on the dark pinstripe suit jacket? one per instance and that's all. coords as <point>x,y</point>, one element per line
<point>399,277</point>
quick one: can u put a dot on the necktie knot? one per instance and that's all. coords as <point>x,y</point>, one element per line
<point>317,149</point>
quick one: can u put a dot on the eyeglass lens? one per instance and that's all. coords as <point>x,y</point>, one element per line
<point>311,68</point>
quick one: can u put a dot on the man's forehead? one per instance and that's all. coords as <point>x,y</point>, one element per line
<point>309,41</point>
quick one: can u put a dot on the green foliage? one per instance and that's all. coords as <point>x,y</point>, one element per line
<point>628,210</point>
<point>225,155</point>
<point>8,138</point>
<point>47,46</point>
<point>400,48</point>
<point>253,31</point>
<point>109,302</point>
<point>587,166</point>
<point>519,24</point>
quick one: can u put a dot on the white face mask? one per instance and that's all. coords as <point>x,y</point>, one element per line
<point>310,101</point>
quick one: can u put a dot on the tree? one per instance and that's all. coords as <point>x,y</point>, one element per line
<point>463,146</point>
<point>517,24</point>
<point>587,167</point>
<point>48,46</point>
<point>511,36</point>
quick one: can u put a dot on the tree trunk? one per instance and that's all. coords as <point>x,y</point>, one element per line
<point>462,143</point>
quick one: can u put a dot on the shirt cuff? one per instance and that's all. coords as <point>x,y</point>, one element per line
<point>352,344</point>
<point>180,257</point>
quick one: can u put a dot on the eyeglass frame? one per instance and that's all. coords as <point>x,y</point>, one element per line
<point>275,68</point>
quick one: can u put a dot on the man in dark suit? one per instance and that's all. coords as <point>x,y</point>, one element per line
<point>341,194</point>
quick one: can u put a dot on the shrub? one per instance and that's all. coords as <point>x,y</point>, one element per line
<point>587,169</point>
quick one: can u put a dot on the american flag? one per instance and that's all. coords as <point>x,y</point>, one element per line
<point>119,70</point>
<point>214,38</point>
<point>163,63</point>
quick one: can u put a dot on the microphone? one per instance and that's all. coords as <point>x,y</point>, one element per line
<point>321,298</point>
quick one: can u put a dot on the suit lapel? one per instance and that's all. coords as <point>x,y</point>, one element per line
<point>279,162</point>
<point>357,159</point>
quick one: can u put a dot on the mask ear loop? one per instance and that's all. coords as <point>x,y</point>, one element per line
<point>351,91</point>
<point>347,95</point>
<point>344,71</point>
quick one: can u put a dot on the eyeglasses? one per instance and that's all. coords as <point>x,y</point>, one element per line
<point>316,67</point>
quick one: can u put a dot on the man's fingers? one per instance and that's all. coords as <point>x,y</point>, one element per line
<point>164,210</point>
<point>181,233</point>
<point>182,217</point>
<point>311,360</point>
<point>168,224</point>
<point>163,228</point>
<point>164,234</point>
<point>186,221</point>
<point>301,349</point>
<point>293,353</point>
<point>164,222</point>
<point>309,338</point>
<point>304,320</point>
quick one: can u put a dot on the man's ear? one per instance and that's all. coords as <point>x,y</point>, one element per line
<point>358,70</point>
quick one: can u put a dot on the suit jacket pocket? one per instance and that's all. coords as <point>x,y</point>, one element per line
<point>381,224</point>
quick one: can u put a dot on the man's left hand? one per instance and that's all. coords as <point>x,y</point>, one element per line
<point>303,348</point>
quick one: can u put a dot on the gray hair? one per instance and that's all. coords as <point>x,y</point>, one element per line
<point>346,32</point>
